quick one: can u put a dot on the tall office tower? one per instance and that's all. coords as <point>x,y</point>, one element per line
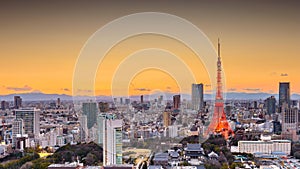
<point>17,102</point>
<point>83,128</point>
<point>167,118</point>
<point>142,99</point>
<point>31,120</point>
<point>284,93</point>
<point>290,123</point>
<point>112,143</point>
<point>17,128</point>
<point>197,96</point>
<point>270,104</point>
<point>101,125</point>
<point>121,101</point>
<point>176,101</point>
<point>219,123</point>
<point>90,110</point>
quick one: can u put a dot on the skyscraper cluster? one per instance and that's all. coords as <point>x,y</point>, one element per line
<point>108,131</point>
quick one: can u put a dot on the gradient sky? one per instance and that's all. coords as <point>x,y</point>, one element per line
<point>40,42</point>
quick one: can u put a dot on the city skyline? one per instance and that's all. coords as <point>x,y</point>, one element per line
<point>150,84</point>
<point>259,45</point>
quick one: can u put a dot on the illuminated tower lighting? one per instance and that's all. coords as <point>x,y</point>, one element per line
<point>219,123</point>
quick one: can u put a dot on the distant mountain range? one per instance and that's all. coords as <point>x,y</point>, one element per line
<point>228,96</point>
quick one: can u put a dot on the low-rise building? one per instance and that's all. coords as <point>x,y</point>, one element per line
<point>193,151</point>
<point>265,145</point>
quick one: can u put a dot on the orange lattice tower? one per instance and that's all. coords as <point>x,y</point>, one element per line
<point>219,123</point>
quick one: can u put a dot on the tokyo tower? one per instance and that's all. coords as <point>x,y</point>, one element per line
<point>219,123</point>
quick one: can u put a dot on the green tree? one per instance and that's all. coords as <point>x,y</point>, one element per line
<point>224,166</point>
<point>297,154</point>
<point>90,159</point>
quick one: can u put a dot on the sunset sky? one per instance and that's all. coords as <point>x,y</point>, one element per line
<point>40,42</point>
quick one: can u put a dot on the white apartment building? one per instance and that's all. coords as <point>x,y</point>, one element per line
<point>265,145</point>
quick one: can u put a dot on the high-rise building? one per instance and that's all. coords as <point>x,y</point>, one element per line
<point>52,137</point>
<point>255,104</point>
<point>142,99</point>
<point>284,93</point>
<point>289,119</point>
<point>270,104</point>
<point>17,102</point>
<point>160,99</point>
<point>17,128</point>
<point>121,101</point>
<point>90,110</point>
<point>112,143</point>
<point>31,120</point>
<point>167,118</point>
<point>103,106</point>
<point>58,102</point>
<point>101,118</point>
<point>176,101</point>
<point>197,96</point>
<point>276,127</point>
<point>290,123</point>
<point>127,101</point>
<point>4,105</point>
<point>84,133</point>
<point>101,123</point>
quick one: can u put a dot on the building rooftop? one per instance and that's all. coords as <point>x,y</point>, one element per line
<point>123,166</point>
<point>66,165</point>
<point>174,154</point>
<point>193,147</point>
<point>269,141</point>
<point>213,154</point>
<point>161,157</point>
<point>155,167</point>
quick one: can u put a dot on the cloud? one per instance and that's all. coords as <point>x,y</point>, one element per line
<point>232,89</point>
<point>65,89</point>
<point>252,89</point>
<point>283,74</point>
<point>142,89</point>
<point>36,91</point>
<point>19,89</point>
<point>84,91</point>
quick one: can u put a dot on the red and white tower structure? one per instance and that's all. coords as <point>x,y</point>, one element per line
<point>219,123</point>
